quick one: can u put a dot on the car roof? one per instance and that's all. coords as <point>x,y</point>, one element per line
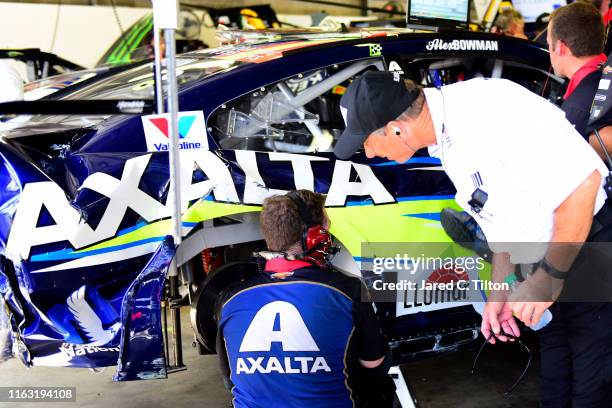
<point>273,45</point>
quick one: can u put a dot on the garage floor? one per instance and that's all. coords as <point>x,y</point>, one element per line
<point>198,386</point>
<point>443,381</point>
<point>446,381</point>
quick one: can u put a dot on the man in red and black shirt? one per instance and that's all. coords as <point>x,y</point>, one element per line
<point>576,37</point>
<point>576,353</point>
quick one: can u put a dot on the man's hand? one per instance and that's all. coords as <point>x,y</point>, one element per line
<point>529,312</point>
<point>497,317</point>
<point>533,296</point>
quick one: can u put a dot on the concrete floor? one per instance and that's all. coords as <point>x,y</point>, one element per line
<point>446,381</point>
<point>443,381</point>
<point>198,386</point>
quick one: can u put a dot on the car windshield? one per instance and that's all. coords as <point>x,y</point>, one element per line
<point>135,83</point>
<point>138,82</point>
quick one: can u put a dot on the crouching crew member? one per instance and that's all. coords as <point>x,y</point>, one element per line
<point>298,334</point>
<point>534,180</point>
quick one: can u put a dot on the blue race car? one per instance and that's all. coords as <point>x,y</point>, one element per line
<point>84,220</point>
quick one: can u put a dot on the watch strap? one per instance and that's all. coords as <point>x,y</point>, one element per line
<point>551,270</point>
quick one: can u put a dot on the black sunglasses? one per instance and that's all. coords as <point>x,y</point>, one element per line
<point>523,346</point>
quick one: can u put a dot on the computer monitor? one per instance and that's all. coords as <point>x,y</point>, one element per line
<point>443,14</point>
<point>531,9</point>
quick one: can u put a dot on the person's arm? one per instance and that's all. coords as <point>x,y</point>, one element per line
<point>223,360</point>
<point>606,136</point>
<point>224,366</point>
<point>370,344</point>
<point>572,223</point>
<point>573,219</point>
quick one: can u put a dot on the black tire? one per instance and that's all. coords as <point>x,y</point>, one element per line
<point>205,299</point>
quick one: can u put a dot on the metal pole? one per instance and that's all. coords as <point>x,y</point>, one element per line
<point>165,14</point>
<point>353,6</point>
<point>175,190</point>
<point>173,130</point>
<point>364,9</point>
<point>157,67</point>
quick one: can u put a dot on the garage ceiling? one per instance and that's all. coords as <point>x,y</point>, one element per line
<point>281,6</point>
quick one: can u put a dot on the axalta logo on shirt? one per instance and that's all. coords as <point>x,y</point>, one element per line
<point>291,333</point>
<point>191,129</point>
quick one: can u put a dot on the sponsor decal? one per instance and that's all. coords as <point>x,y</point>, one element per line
<point>432,291</point>
<point>293,336</point>
<point>395,67</point>
<point>88,321</point>
<point>302,83</point>
<point>604,84</point>
<point>131,106</point>
<point>444,287</point>
<point>607,69</point>
<point>125,193</point>
<point>74,350</point>
<point>462,45</point>
<point>375,50</point>
<point>191,129</point>
<point>600,97</point>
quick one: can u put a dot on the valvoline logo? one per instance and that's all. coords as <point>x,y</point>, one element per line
<point>191,129</point>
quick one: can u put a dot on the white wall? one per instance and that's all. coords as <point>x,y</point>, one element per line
<point>84,33</point>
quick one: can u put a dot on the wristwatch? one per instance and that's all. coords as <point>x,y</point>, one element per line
<point>551,270</point>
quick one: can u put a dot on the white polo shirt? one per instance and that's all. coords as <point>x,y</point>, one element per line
<point>524,155</point>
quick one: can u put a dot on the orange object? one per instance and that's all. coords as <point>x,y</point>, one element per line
<point>211,260</point>
<point>338,90</point>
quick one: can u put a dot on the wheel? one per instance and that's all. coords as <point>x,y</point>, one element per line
<point>204,301</point>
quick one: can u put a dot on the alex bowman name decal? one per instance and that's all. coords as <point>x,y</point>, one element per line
<point>191,129</point>
<point>462,45</point>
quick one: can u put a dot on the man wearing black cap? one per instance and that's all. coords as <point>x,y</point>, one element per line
<point>533,180</point>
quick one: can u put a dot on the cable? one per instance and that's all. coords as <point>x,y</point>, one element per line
<point>57,15</point>
<point>117,17</point>
<point>546,83</point>
<point>603,147</point>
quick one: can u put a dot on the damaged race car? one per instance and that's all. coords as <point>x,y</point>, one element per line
<point>85,220</point>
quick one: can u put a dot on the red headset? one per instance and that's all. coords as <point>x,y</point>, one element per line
<point>316,240</point>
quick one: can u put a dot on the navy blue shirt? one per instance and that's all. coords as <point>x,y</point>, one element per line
<point>292,342</point>
<point>577,106</point>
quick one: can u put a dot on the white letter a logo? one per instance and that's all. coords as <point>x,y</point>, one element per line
<point>293,333</point>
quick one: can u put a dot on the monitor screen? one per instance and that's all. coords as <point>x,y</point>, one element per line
<point>531,9</point>
<point>439,12</point>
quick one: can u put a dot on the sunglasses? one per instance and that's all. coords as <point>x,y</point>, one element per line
<point>517,341</point>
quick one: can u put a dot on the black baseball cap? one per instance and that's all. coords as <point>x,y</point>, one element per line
<point>369,103</point>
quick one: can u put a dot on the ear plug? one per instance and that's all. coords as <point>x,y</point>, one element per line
<point>397,131</point>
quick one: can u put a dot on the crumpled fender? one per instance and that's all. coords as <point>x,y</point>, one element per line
<point>141,351</point>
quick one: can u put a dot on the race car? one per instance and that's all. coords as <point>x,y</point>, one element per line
<point>85,220</point>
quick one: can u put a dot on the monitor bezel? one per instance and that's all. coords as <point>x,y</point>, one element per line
<point>440,23</point>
